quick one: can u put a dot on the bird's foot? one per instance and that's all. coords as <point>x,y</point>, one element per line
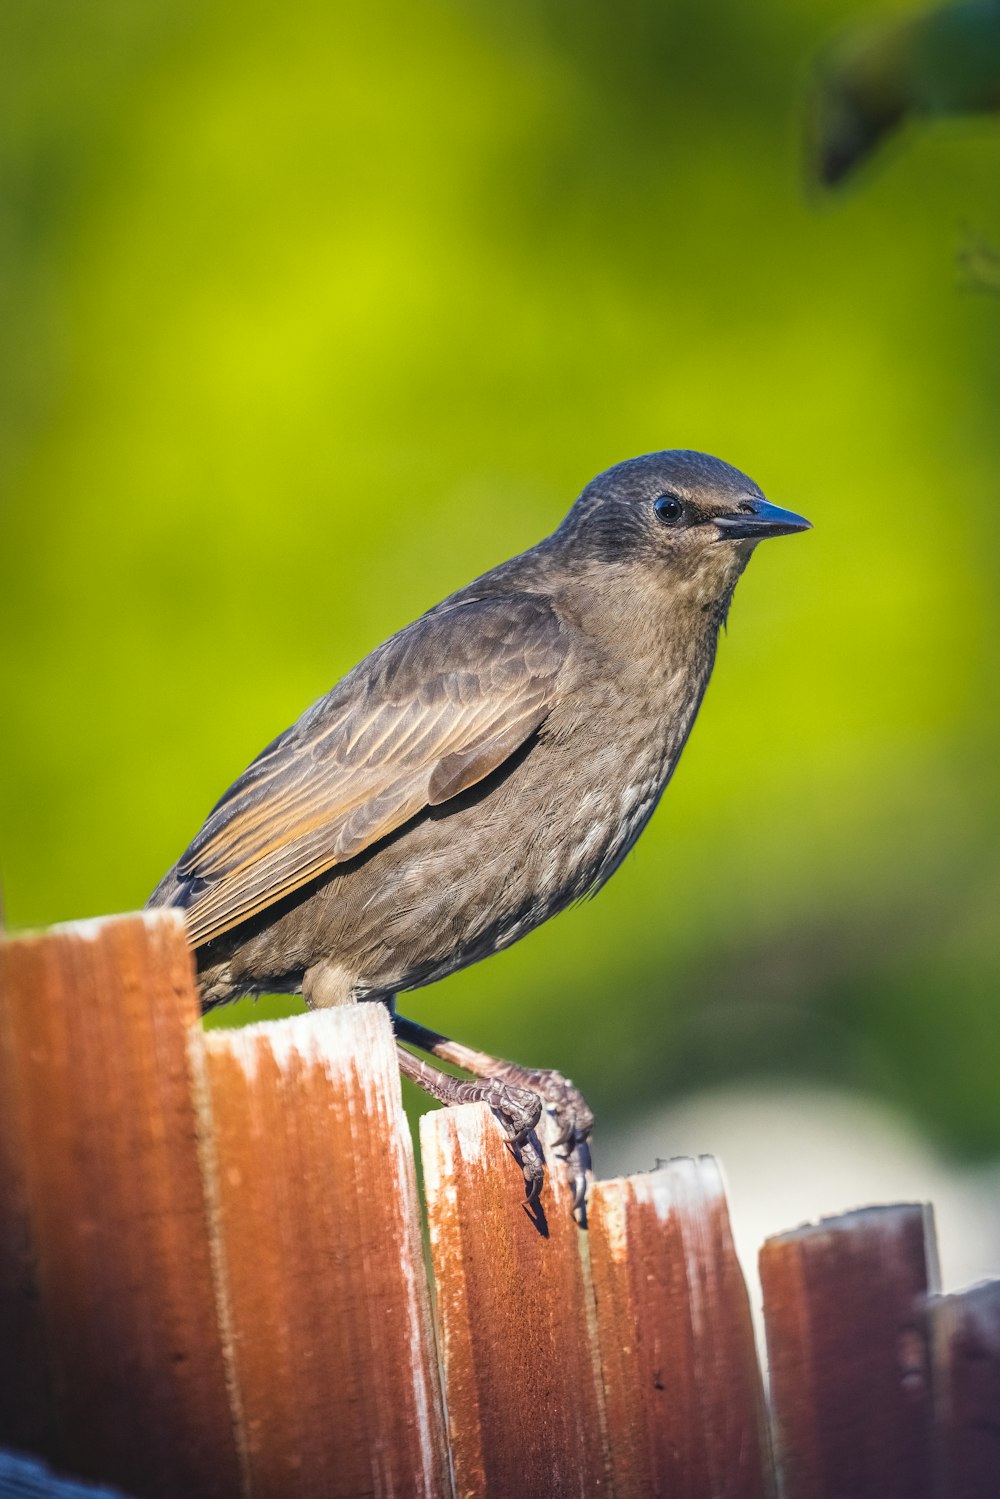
<point>573,1120</point>
<point>518,1110</point>
<point>516,1094</point>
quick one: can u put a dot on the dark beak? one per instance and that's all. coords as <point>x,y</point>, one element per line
<point>757,521</point>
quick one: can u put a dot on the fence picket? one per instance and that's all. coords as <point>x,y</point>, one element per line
<point>844,1306</point>
<point>95,1017</point>
<point>965,1336</point>
<point>684,1395</point>
<point>515,1316</point>
<point>310,1168</point>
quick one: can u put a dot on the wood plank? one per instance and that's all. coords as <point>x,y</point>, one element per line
<point>314,1197</point>
<point>965,1336</point>
<point>685,1402</point>
<point>515,1317</point>
<point>849,1356</point>
<point>96,1017</point>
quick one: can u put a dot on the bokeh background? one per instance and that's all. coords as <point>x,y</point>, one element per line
<point>310,313</point>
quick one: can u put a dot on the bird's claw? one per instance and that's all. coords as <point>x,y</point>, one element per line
<point>519,1110</point>
<point>572,1121</point>
<point>532,1164</point>
<point>581,1175</point>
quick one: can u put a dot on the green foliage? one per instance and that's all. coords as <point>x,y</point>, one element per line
<point>891,68</point>
<point>310,313</point>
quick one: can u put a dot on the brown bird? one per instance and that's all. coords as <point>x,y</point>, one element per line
<point>482,769</point>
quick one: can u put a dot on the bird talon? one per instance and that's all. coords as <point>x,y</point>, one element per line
<point>529,1158</point>
<point>580,1172</point>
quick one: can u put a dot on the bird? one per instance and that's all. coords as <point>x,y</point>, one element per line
<point>481,770</point>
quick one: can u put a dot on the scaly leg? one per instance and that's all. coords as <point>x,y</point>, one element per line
<point>518,1109</point>
<point>562,1100</point>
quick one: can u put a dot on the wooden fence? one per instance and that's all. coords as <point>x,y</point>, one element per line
<point>213,1282</point>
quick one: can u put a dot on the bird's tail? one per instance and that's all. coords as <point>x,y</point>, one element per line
<point>215,985</point>
<point>169,892</point>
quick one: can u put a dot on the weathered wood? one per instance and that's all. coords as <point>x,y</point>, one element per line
<point>310,1169</point>
<point>965,1337</point>
<point>95,1018</point>
<point>849,1357</point>
<point>515,1315</point>
<point>685,1403</point>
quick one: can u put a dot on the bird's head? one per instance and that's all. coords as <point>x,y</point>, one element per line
<point>685,518</point>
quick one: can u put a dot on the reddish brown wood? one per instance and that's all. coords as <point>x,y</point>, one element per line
<point>515,1316</point>
<point>96,1017</point>
<point>965,1334</point>
<point>310,1167</point>
<point>685,1403</point>
<point>849,1357</point>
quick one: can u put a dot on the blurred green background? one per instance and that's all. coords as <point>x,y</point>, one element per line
<point>310,313</point>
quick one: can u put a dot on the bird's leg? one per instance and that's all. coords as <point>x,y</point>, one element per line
<point>566,1105</point>
<point>518,1109</point>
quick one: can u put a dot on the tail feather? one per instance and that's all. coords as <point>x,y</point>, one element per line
<point>173,890</point>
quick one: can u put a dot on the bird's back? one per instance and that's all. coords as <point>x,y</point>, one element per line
<point>459,881</point>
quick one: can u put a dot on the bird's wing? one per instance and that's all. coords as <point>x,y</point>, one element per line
<point>426,715</point>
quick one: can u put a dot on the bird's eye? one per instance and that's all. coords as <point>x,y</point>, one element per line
<point>669,508</point>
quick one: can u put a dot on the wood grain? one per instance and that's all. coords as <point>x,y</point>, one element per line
<point>849,1357</point>
<point>95,1019</point>
<point>965,1336</point>
<point>515,1317</point>
<point>685,1403</point>
<point>310,1164</point>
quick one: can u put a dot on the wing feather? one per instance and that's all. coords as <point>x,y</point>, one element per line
<point>427,715</point>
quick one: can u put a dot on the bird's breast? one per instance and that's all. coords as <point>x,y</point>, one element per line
<point>468,878</point>
<point>624,755</point>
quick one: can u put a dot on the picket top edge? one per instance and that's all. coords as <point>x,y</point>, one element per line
<point>676,1183</point>
<point>977,1305</point>
<point>94,928</point>
<point>464,1127</point>
<point>876,1217</point>
<point>679,1187</point>
<point>343,1041</point>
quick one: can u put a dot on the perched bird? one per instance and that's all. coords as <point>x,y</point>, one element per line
<point>482,769</point>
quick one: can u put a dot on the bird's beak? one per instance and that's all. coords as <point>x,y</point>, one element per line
<point>758,521</point>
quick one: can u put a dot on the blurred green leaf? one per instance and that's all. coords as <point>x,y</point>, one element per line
<point>884,72</point>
